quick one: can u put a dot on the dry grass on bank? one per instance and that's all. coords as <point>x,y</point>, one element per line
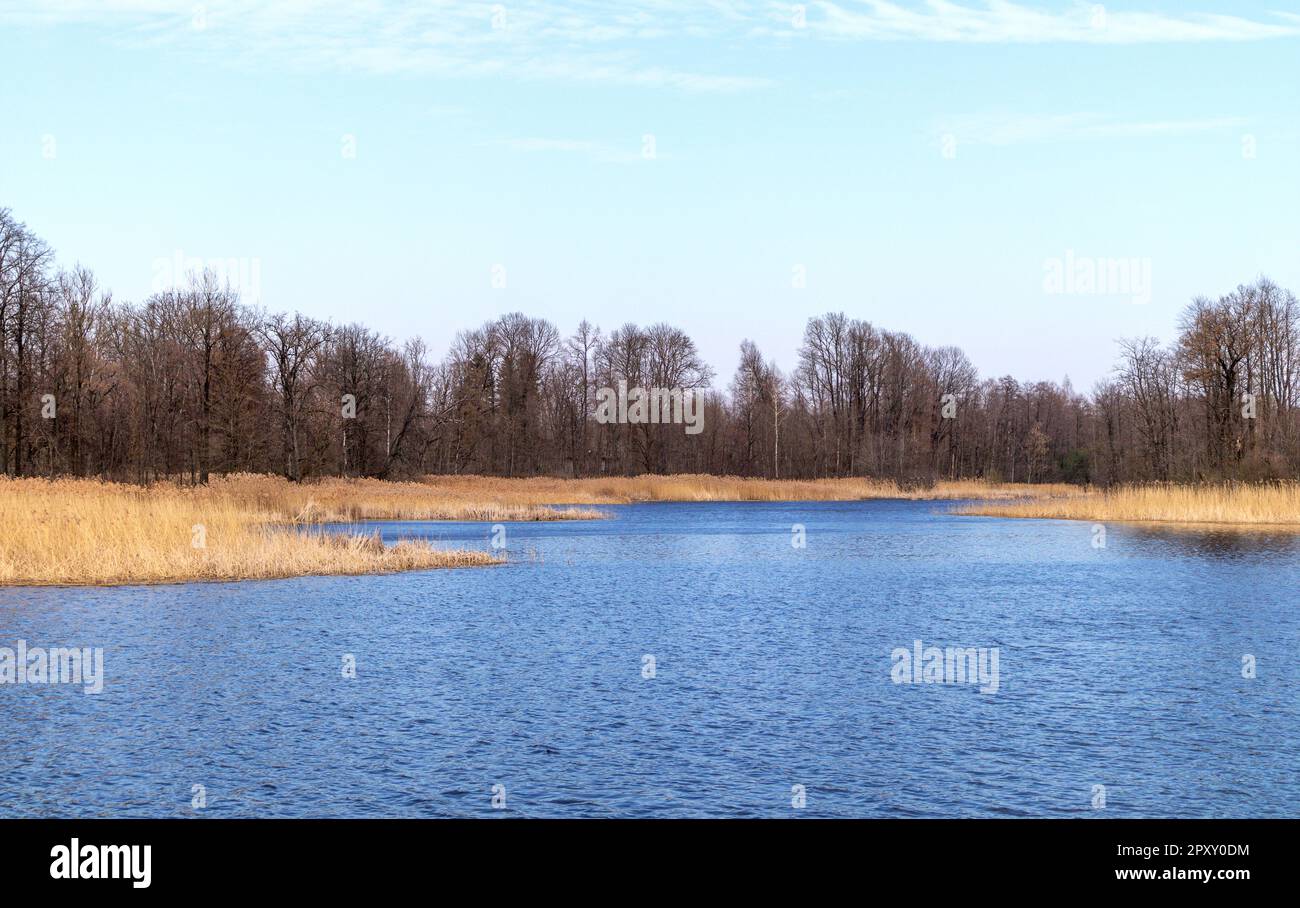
<point>88,532</point>
<point>1243,506</point>
<point>345,500</point>
<point>693,487</point>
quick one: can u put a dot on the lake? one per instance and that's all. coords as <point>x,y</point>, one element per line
<point>687,660</point>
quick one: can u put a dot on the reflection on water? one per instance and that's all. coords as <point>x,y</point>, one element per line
<point>1202,541</point>
<point>771,668</point>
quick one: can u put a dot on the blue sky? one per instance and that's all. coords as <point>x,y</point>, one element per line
<point>921,164</point>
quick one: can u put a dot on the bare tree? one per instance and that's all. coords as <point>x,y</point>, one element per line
<point>291,343</point>
<point>189,383</point>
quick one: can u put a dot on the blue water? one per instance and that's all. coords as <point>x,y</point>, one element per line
<point>1119,667</point>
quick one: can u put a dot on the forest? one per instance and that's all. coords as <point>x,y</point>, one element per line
<point>191,382</point>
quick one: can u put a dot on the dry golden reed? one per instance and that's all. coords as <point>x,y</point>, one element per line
<point>89,532</point>
<point>1236,505</point>
<point>342,500</point>
<point>255,526</point>
<point>696,487</point>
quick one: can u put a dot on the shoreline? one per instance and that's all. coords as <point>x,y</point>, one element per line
<point>85,532</point>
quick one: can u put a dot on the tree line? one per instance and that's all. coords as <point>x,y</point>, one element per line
<point>192,382</point>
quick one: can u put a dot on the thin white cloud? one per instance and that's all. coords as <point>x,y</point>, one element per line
<point>535,144</point>
<point>613,41</point>
<point>446,110</point>
<point>652,43</point>
<point>596,151</point>
<point>1012,129</point>
<point>1004,22</point>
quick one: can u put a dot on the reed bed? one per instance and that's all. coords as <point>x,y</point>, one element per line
<point>78,532</point>
<point>1229,505</point>
<point>254,526</point>
<point>694,487</point>
<point>345,500</point>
